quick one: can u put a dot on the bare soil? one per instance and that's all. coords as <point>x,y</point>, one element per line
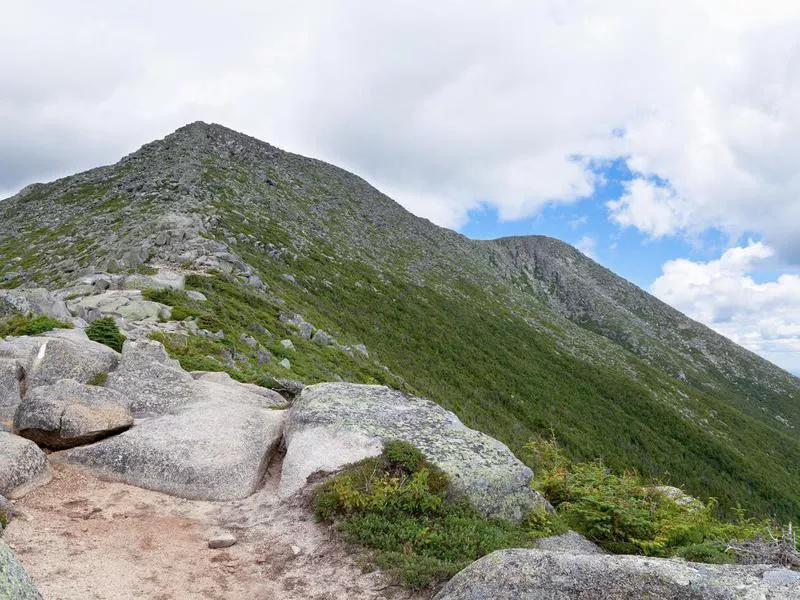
<point>83,538</point>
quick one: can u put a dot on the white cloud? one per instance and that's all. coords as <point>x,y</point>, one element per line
<point>587,245</point>
<point>447,105</point>
<point>722,293</point>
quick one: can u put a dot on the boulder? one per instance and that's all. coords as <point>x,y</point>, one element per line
<point>218,385</point>
<point>540,575</point>
<point>570,542</point>
<point>11,381</point>
<point>68,414</point>
<point>205,451</point>
<point>15,583</point>
<point>59,354</point>
<point>151,381</point>
<point>124,304</point>
<point>37,301</point>
<point>333,424</point>
<point>323,338</point>
<point>161,280</point>
<point>22,465</point>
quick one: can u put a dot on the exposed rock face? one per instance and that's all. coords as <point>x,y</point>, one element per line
<point>36,301</point>
<point>218,385</point>
<point>15,583</point>
<point>11,377</point>
<point>205,451</point>
<point>151,381</point>
<point>124,304</point>
<point>332,424</point>
<point>69,414</point>
<point>569,542</point>
<point>59,354</point>
<point>540,575</point>
<point>22,465</point>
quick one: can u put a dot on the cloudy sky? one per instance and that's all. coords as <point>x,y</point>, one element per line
<point>660,137</point>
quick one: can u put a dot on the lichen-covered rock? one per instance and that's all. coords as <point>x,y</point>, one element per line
<point>540,575</point>
<point>218,385</point>
<point>59,354</point>
<point>68,414</point>
<point>570,542</point>
<point>205,451</point>
<point>125,304</point>
<point>329,417</point>
<point>37,301</point>
<point>151,381</point>
<point>22,465</point>
<point>11,376</point>
<point>15,583</point>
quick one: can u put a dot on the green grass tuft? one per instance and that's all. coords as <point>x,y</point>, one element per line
<point>29,325</point>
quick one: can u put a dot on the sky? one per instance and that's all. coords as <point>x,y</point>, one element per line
<point>659,137</point>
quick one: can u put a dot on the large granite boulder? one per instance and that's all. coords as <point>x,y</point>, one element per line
<point>11,381</point>
<point>218,385</point>
<point>22,465</point>
<point>36,301</point>
<point>123,304</point>
<point>151,381</point>
<point>59,354</point>
<point>570,542</point>
<point>541,575</point>
<point>205,451</point>
<point>333,424</point>
<point>68,414</point>
<point>15,583</point>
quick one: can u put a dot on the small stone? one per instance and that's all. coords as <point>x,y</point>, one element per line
<point>196,296</point>
<point>223,540</point>
<point>296,550</point>
<point>288,344</point>
<point>285,363</point>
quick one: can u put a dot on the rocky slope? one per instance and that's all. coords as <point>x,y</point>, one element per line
<point>300,270</point>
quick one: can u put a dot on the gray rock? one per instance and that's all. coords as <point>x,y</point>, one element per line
<point>288,344</point>
<point>11,378</point>
<point>124,304</point>
<point>68,414</point>
<point>678,495</point>
<point>163,279</point>
<point>569,542</point>
<point>150,380</point>
<point>35,301</point>
<point>322,337</point>
<point>206,451</point>
<point>15,583</point>
<point>263,356</point>
<point>222,540</point>
<point>22,465</point>
<point>249,340</point>
<point>540,575</point>
<point>219,386</point>
<point>196,296</point>
<point>285,363</point>
<point>333,424</point>
<point>305,329</point>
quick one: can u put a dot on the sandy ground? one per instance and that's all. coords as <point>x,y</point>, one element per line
<point>82,538</point>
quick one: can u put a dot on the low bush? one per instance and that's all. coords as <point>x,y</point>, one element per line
<point>29,325</point>
<point>105,331</point>
<point>625,514</point>
<point>399,506</point>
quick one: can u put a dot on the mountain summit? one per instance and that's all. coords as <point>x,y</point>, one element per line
<point>517,336</point>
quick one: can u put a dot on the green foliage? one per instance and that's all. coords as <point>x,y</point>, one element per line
<point>99,379</point>
<point>625,514</point>
<point>105,331</point>
<point>29,325</point>
<point>398,506</point>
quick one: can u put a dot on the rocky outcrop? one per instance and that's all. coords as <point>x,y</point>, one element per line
<point>68,414</point>
<point>205,451</point>
<point>332,424</point>
<point>22,465</point>
<point>570,542</point>
<point>218,385</point>
<point>540,575</point>
<point>59,354</point>
<point>11,381</point>
<point>151,381</point>
<point>129,305</point>
<point>15,583</point>
<point>35,301</point>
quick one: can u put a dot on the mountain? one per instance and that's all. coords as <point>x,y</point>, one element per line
<point>518,336</point>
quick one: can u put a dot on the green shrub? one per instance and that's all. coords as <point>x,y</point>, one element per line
<point>399,506</point>
<point>105,331</point>
<point>29,325</point>
<point>625,514</point>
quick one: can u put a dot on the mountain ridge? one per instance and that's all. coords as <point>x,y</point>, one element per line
<point>517,335</point>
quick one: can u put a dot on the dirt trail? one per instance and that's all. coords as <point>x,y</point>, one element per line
<point>84,539</point>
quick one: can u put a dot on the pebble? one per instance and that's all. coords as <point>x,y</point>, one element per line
<point>223,540</point>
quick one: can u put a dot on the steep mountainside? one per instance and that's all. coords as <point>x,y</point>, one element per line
<point>518,336</point>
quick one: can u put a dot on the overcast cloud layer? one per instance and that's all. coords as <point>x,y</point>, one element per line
<point>444,105</point>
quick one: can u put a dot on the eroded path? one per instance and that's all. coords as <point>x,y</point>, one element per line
<point>83,538</point>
